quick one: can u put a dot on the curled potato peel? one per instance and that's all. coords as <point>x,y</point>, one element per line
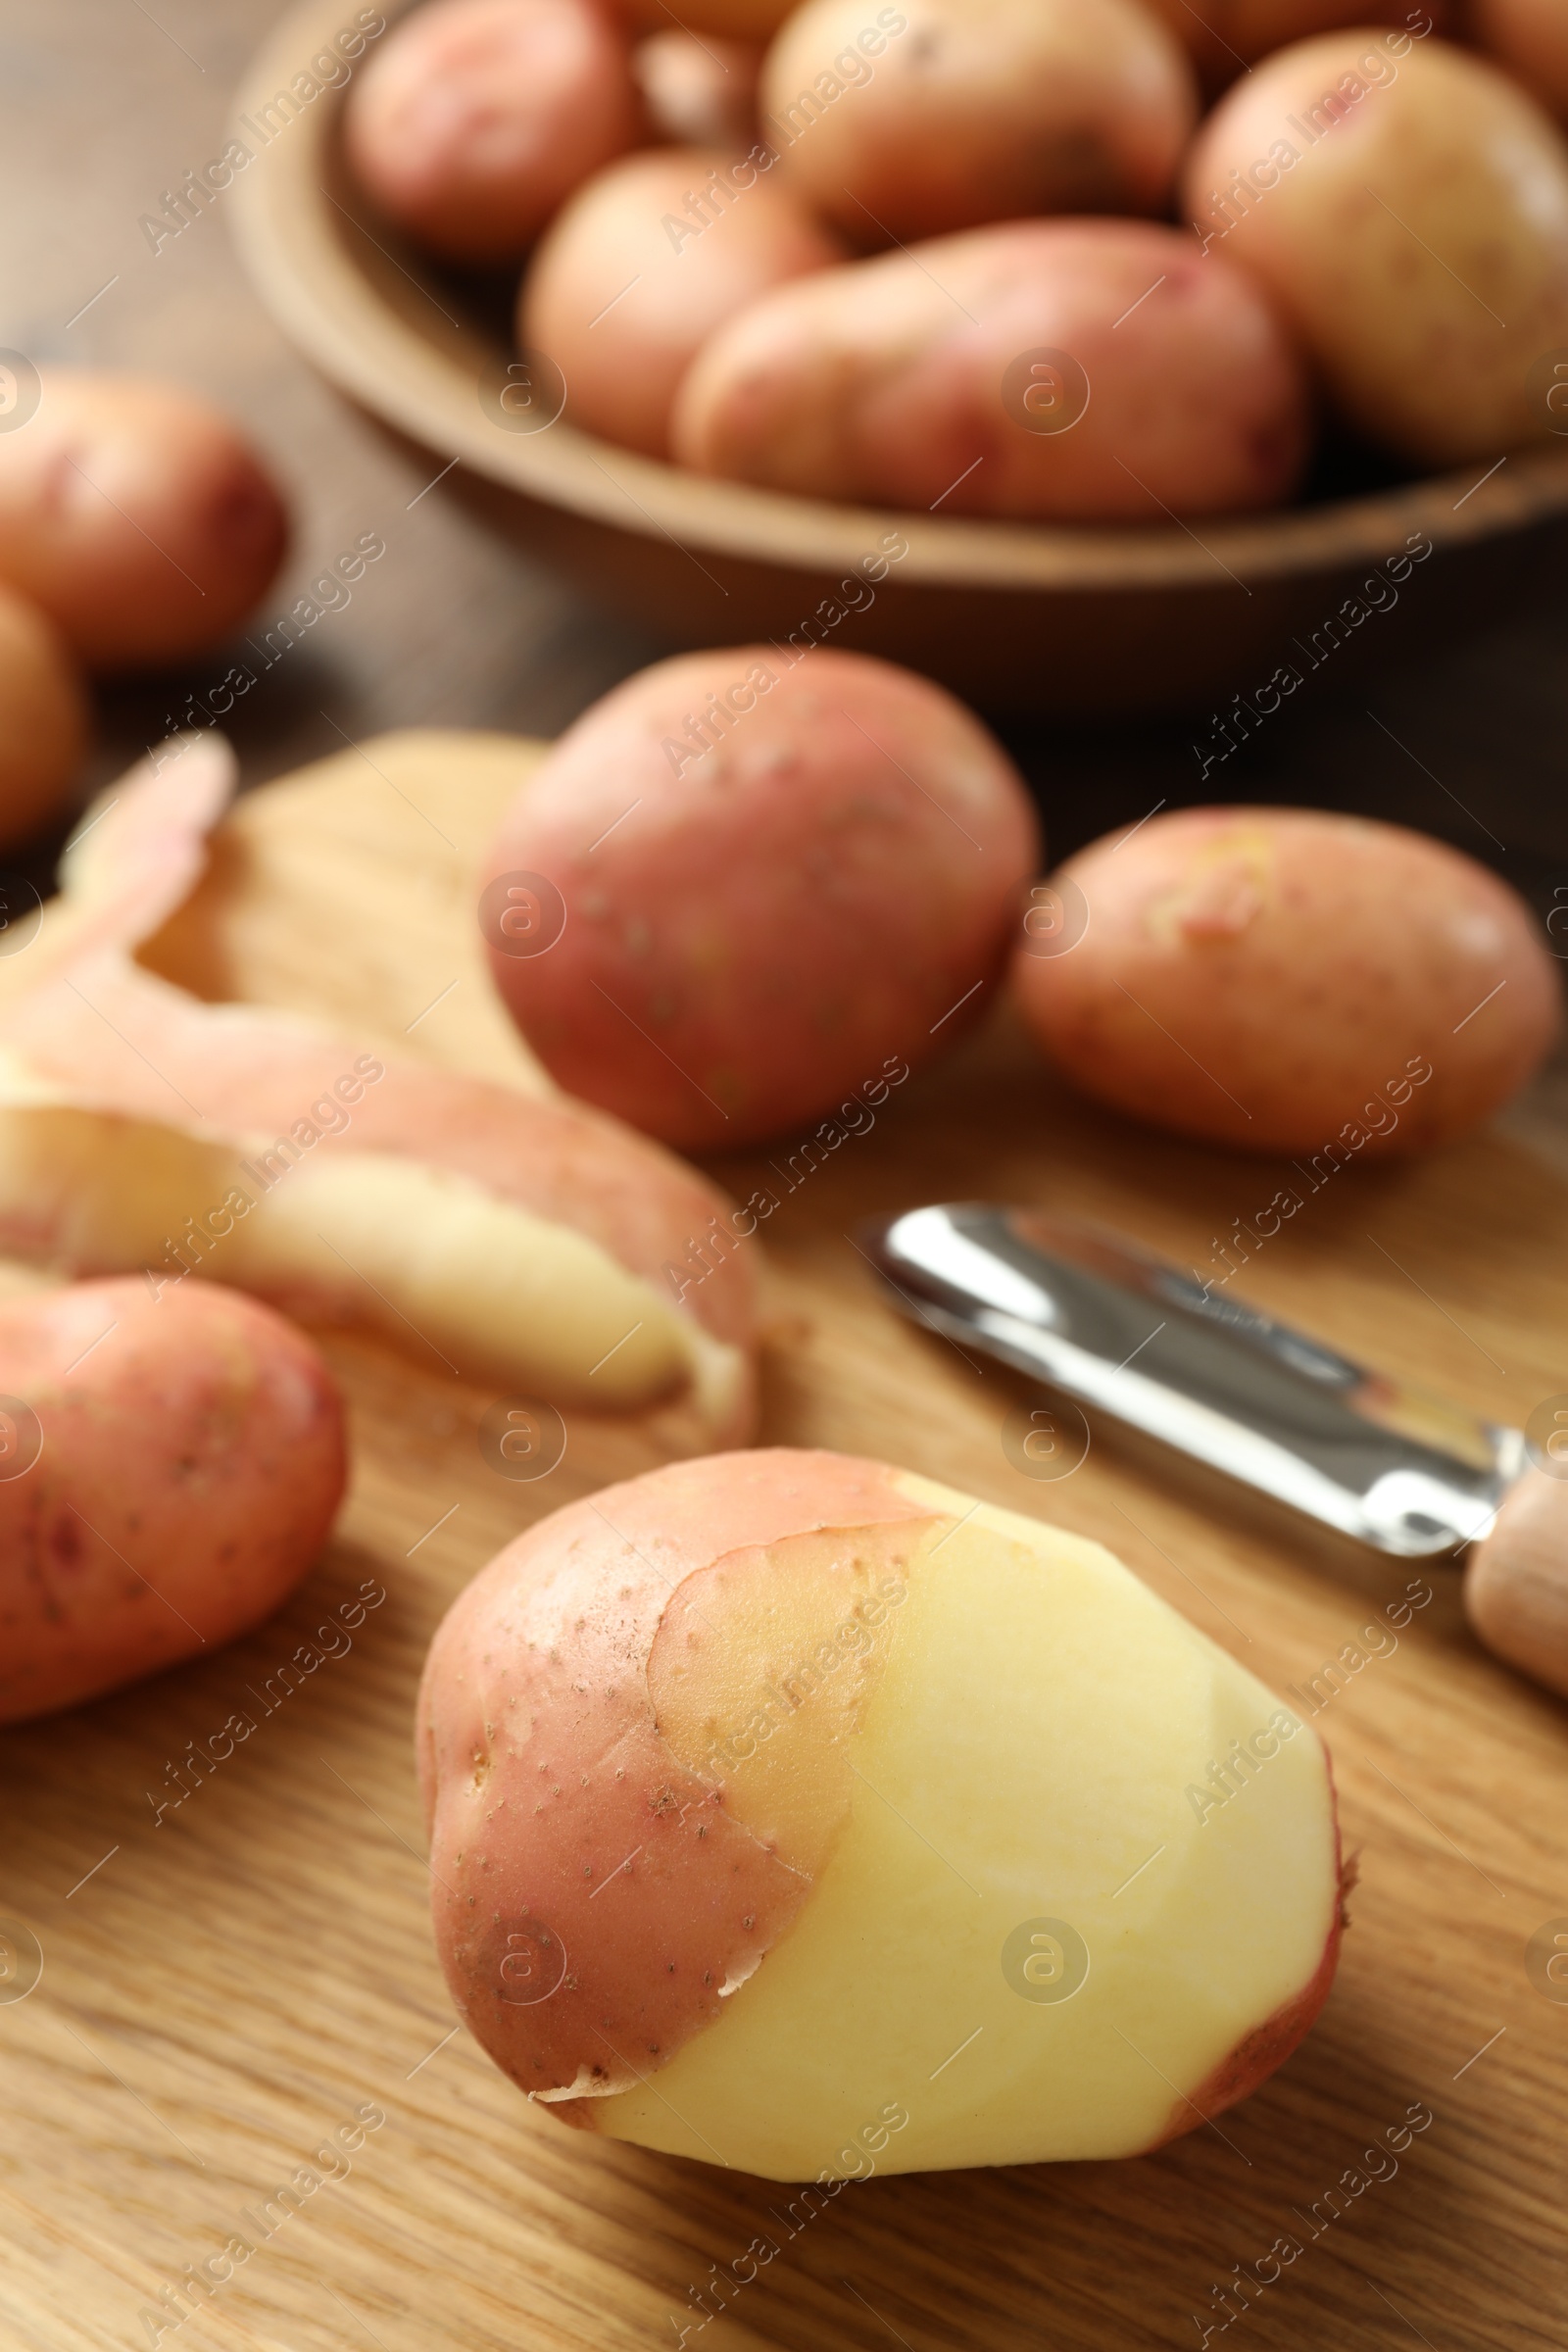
<point>520,1238</point>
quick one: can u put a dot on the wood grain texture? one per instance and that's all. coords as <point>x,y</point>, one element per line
<point>225,1988</point>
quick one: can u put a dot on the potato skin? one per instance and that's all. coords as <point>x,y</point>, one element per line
<point>1530,37</point>
<point>474,119</point>
<point>906,381</point>
<point>543,1767</point>
<point>627,283</point>
<point>43,719</point>
<point>117,1050</point>
<point>136,516</point>
<point>192,1463</point>
<point>779,921</point>
<point>1418,245</point>
<point>945,114</point>
<point>1284,980</point>
<point>1224,35</point>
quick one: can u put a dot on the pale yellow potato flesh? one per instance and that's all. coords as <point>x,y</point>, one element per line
<point>501,1292</point>
<point>743,1637</point>
<point>497,1288</point>
<point>1024,1750</point>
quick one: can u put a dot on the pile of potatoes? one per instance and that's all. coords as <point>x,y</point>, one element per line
<point>994,257</point>
<point>137,526</point>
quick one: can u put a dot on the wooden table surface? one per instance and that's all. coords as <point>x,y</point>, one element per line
<point>224,1986</point>
<point>221,1991</point>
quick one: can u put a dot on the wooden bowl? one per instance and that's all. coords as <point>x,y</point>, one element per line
<point>1017,616</point>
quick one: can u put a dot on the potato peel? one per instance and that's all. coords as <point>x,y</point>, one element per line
<point>141,1129</point>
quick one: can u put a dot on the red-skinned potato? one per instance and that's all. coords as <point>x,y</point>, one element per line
<point>762,1789</point>
<point>1227,35</point>
<point>783,886</point>
<point>1530,39</point>
<point>1076,371</point>
<point>168,1470</point>
<point>137,516</point>
<point>939,114</point>
<point>1289,981</point>
<point>643,264</point>
<point>474,119</point>
<point>699,93</point>
<point>1406,206</point>
<point>43,719</point>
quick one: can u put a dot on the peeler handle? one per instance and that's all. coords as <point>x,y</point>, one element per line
<point>1516,1582</point>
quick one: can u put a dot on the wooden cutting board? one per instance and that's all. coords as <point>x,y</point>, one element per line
<point>224,1987</point>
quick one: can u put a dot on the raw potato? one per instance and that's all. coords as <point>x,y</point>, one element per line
<point>1292,982</point>
<point>760,930</point>
<point>1407,208</point>
<point>938,115</point>
<point>1530,39</point>
<point>44,721</point>
<point>191,1464</point>
<point>762,1790</point>
<point>137,516</point>
<point>929,379</point>
<point>515,1239</point>
<point>641,266</point>
<point>1225,36</point>
<point>700,94</point>
<point>474,119</point>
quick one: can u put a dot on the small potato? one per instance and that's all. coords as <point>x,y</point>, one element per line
<point>168,1470</point>
<point>642,266</point>
<point>1227,35</point>
<point>943,113</point>
<point>474,119</point>
<point>1091,371</point>
<point>747,1780</point>
<point>1407,208</point>
<point>699,93</point>
<point>1289,981</point>
<point>136,516</point>
<point>1530,39</point>
<point>43,719</point>
<point>788,881</point>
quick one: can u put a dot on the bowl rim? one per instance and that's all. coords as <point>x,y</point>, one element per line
<point>347,314</point>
